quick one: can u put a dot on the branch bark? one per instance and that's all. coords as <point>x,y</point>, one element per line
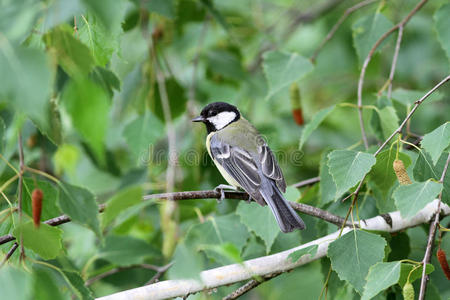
<point>270,264</point>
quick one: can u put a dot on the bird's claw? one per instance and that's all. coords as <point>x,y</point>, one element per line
<point>221,189</point>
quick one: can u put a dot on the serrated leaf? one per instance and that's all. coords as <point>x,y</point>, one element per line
<point>50,207</point>
<point>410,199</point>
<point>406,268</point>
<point>260,220</point>
<point>106,79</point>
<point>141,134</point>
<point>348,168</point>
<point>381,276</point>
<point>101,42</point>
<point>316,120</point>
<point>382,173</point>
<point>366,31</point>
<point>25,82</point>
<point>227,250</point>
<point>73,56</point>
<point>125,250</point>
<point>44,241</point>
<point>388,121</point>
<point>44,285</point>
<point>283,68</point>
<point>408,97</point>
<point>327,185</point>
<point>88,107</point>
<point>187,263</point>
<point>79,204</point>
<point>296,255</point>
<point>120,202</point>
<point>437,141</point>
<point>442,25</point>
<point>353,254</point>
<point>77,284</point>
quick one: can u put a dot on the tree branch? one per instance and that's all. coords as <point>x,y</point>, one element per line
<point>249,286</point>
<point>394,60</point>
<point>20,191</point>
<point>399,130</point>
<point>402,23</point>
<point>9,254</point>
<point>336,26</point>
<point>270,264</point>
<point>432,233</point>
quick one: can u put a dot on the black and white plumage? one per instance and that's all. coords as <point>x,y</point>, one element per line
<point>246,161</point>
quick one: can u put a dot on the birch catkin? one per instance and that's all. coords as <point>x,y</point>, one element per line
<point>400,172</point>
<point>442,258</point>
<point>36,204</point>
<point>408,291</point>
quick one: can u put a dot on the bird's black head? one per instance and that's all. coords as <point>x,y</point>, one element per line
<point>218,115</point>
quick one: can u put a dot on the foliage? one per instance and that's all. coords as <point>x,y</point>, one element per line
<point>81,85</point>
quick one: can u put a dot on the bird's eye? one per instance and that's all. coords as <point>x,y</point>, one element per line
<point>212,113</point>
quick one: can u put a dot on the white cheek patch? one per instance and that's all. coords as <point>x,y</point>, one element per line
<point>222,119</point>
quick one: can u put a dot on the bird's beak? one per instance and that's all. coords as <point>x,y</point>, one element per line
<point>198,119</point>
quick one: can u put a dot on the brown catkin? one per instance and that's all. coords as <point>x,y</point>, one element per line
<point>408,291</point>
<point>296,104</point>
<point>400,172</point>
<point>442,258</point>
<point>36,204</point>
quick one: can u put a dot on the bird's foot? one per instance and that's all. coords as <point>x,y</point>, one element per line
<point>220,188</point>
<point>249,200</point>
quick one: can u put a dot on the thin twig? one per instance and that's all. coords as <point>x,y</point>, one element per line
<point>249,286</point>
<point>207,194</point>
<point>402,23</point>
<point>159,272</point>
<point>399,129</point>
<point>306,182</point>
<point>158,269</point>
<point>9,254</point>
<point>394,61</point>
<point>432,233</point>
<point>20,192</point>
<point>336,26</point>
<point>213,194</point>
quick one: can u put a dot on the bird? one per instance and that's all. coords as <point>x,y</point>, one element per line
<point>246,162</point>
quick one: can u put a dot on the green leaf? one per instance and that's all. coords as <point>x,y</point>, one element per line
<point>296,255</point>
<point>106,79</point>
<point>177,100</point>
<point>79,204</point>
<point>416,274</point>
<point>141,135</point>
<point>88,107</point>
<point>44,241</point>
<point>125,250</point>
<point>348,168</point>
<point>442,25</point>
<point>437,141</point>
<point>110,12</point>
<point>50,207</point>
<point>283,68</point>
<point>382,173</point>
<point>388,121</point>
<point>381,276</point>
<point>21,13</point>
<point>73,56</point>
<point>187,263</point>
<point>119,202</point>
<point>44,285</point>
<point>227,250</point>
<point>25,82</point>
<point>366,31</point>
<point>260,220</point>
<point>66,158</point>
<point>408,97</point>
<point>353,254</point>
<point>15,283</point>
<point>101,41</point>
<point>77,284</point>
<point>316,120</point>
<point>327,185</point>
<point>410,199</point>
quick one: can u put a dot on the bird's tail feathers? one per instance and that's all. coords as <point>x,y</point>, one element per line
<point>286,217</point>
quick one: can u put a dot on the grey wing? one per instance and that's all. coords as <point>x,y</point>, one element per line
<point>239,164</point>
<point>270,167</point>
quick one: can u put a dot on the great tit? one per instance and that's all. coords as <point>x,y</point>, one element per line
<point>245,161</point>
